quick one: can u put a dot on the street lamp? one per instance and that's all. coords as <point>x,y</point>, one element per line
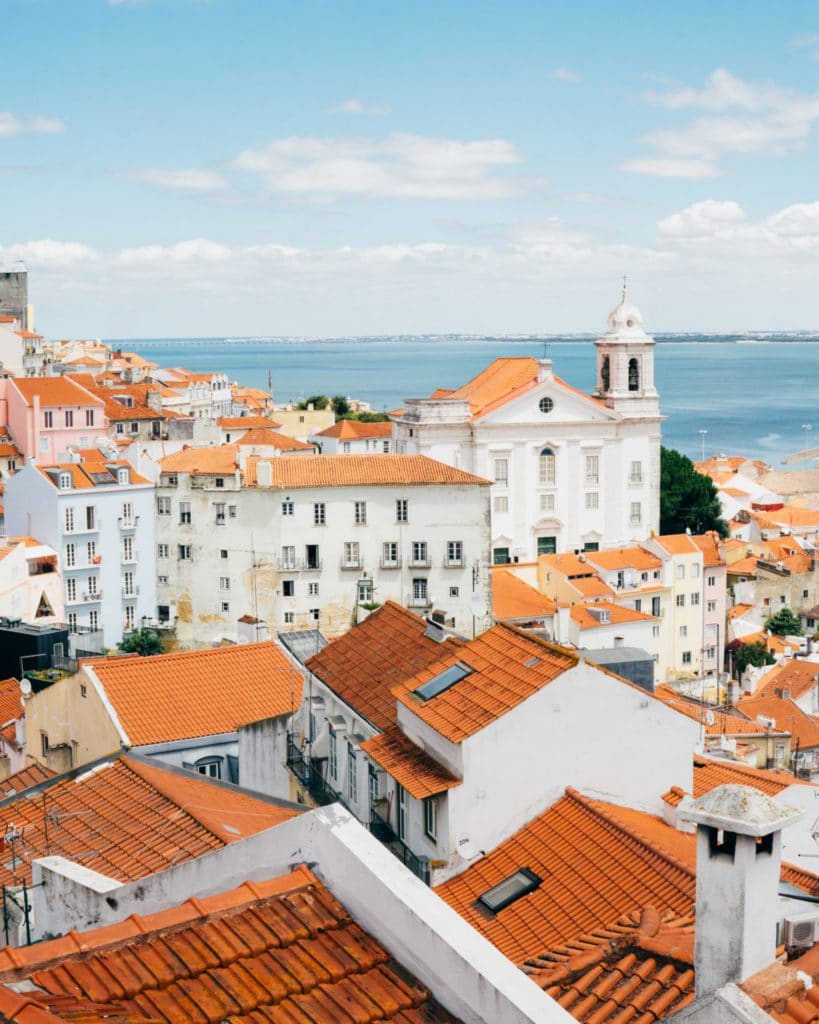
<point>702,432</point>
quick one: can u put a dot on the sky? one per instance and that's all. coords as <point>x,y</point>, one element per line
<point>183,168</point>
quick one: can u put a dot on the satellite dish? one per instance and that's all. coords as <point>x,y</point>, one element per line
<point>25,687</point>
<point>478,603</point>
<point>465,846</point>
<point>710,718</point>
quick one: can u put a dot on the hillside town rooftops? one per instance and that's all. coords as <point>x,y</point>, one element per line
<point>247,422</point>
<point>496,672</point>
<point>716,723</point>
<point>31,775</point>
<point>604,613</point>
<point>221,458</point>
<point>512,598</point>
<point>364,665</point>
<point>265,437</point>
<point>625,558</point>
<point>360,470</point>
<point>786,716</point>
<point>796,676</point>
<point>283,950</point>
<point>352,430</point>
<point>54,391</point>
<point>194,693</point>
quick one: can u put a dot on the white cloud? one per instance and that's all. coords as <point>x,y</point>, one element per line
<point>567,75</point>
<point>723,224</point>
<point>401,166</point>
<point>740,117</point>
<point>355,106</point>
<point>191,180</point>
<point>708,219</point>
<point>193,251</point>
<point>10,124</point>
<point>661,167</point>
<point>47,253</point>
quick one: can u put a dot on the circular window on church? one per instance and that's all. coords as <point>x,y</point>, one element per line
<point>629,323</point>
<point>545,405</point>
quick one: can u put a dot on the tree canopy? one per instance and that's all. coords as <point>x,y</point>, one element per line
<point>688,500</point>
<point>755,654</point>
<point>784,623</point>
<point>341,407</point>
<point>143,641</point>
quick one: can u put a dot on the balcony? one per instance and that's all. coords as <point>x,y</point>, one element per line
<point>84,597</point>
<point>298,565</point>
<point>384,833</point>
<point>420,563</point>
<point>635,481</point>
<point>414,601</point>
<point>82,528</point>
<point>130,591</point>
<point>309,772</point>
<point>390,563</point>
<point>454,563</point>
<point>351,563</point>
<point>128,524</point>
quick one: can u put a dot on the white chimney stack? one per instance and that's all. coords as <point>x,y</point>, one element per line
<point>739,855</point>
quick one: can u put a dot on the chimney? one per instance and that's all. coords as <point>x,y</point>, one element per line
<point>264,473</point>
<point>544,370</point>
<point>619,641</point>
<point>739,854</point>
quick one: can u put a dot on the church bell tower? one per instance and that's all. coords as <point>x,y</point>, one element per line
<point>625,364</point>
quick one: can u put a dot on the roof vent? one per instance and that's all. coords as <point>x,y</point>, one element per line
<point>435,631</point>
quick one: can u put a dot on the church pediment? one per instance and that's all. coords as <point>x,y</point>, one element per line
<point>550,401</point>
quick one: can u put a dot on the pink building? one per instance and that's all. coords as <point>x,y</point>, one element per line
<point>47,415</point>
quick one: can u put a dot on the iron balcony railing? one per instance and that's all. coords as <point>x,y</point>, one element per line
<point>384,833</point>
<point>310,774</point>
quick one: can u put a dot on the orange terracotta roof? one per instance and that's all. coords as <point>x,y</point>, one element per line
<point>361,470</point>
<point>222,458</point>
<point>351,430</point>
<point>800,677</point>
<point>419,773</point>
<point>246,422</point>
<point>110,816</point>
<point>677,543</point>
<point>496,381</point>
<point>508,666</point>
<point>743,566</point>
<point>54,391</point>
<point>569,564</point>
<point>11,701</point>
<point>8,449</point>
<point>787,715</point>
<point>641,968</point>
<point>712,772</point>
<point>591,586</point>
<point>197,693</point>
<point>282,951</point>
<point>722,724</point>
<point>739,610</point>
<point>83,473</point>
<point>708,543</point>
<point>794,516</point>
<point>365,664</point>
<point>263,436</point>
<point>512,598</point>
<point>27,777</point>
<point>625,558</point>
<point>584,617</point>
<point>28,334</point>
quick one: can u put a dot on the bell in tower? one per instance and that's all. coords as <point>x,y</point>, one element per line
<point>625,364</point>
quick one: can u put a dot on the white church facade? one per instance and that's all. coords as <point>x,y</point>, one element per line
<point>570,470</point>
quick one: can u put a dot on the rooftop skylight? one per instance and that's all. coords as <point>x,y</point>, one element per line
<point>454,674</point>
<point>510,889</point>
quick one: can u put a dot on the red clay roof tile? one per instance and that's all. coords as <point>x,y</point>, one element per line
<point>419,773</point>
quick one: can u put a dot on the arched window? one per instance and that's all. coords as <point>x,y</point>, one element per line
<point>546,467</point>
<point>605,374</point>
<point>633,375</point>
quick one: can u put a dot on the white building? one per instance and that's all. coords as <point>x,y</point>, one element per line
<point>354,437</point>
<point>570,470</point>
<point>30,582</point>
<point>312,541</point>
<point>99,516</point>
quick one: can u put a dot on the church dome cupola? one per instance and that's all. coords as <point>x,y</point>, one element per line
<point>625,363</point>
<point>626,319</point>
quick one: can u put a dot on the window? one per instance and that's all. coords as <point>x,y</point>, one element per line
<point>365,591</point>
<point>128,584</point>
<point>162,551</point>
<point>163,506</point>
<point>592,469</point>
<point>455,552</point>
<point>184,552</point>
<point>65,481</point>
<point>655,631</point>
<point>70,555</point>
<point>120,428</point>
<point>500,556</point>
<point>638,605</point>
<point>605,374</point>
<point>319,514</point>
<point>782,599</point>
<point>686,657</point>
<point>402,510</point>
<point>804,593</point>
<point>386,447</point>
<point>501,471</point>
<point>312,556</point>
<point>633,374</point>
<point>72,622</point>
<point>68,519</point>
<point>90,517</point>
<point>231,511</point>
<point>711,629</point>
<point>695,598</point>
<point>546,545</point>
<point>510,889</point>
<point>184,512</point>
<point>69,417</point>
<point>223,552</point>
<point>695,570</point>
<point>172,480</point>
<point>454,591</point>
<point>683,632</point>
<point>71,588</point>
<point>592,499</point>
<point>680,572</point>
<point>636,514</point>
<point>210,766</point>
<point>591,545</point>
<point>312,589</point>
<point>360,513</point>
<point>127,512</point>
<point>289,618</point>
<point>501,503</point>
<point>712,581</point>
<point>162,581</point>
<point>44,744</point>
<point>389,553</point>
<point>547,503</point>
<point>419,552</point>
<point>129,616</point>
<point>315,614</point>
<point>351,554</point>
<point>219,481</point>
<point>545,404</point>
<point>711,606</point>
<point>134,427</point>
<point>635,475</point>
<point>419,591</point>
<point>127,549</point>
<point>401,797</point>
<point>546,467</point>
<point>431,818</point>
<point>372,783</point>
<point>345,447</point>
<point>94,619</point>
<point>224,582</point>
<point>219,508</point>
<point>288,588</point>
<point>48,419</point>
<point>288,508</point>
<point>333,760</point>
<point>288,560</point>
<point>123,476</point>
<point>89,417</point>
<point>681,600</point>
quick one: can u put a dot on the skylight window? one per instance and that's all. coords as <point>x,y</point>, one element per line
<point>531,662</point>
<point>443,681</point>
<point>510,889</point>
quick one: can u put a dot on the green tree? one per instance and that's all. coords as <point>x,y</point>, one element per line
<point>341,406</point>
<point>755,654</point>
<point>688,500</point>
<point>784,623</point>
<point>143,641</point>
<point>317,401</point>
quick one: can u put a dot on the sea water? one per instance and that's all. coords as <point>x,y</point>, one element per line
<point>754,396</point>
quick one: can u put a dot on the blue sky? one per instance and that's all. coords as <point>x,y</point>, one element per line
<point>206,167</point>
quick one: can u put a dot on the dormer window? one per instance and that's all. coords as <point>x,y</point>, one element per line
<point>123,476</point>
<point>65,481</point>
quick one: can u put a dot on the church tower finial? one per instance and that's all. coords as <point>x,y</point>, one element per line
<point>625,288</point>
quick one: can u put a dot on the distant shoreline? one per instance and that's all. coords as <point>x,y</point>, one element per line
<point>768,338</point>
